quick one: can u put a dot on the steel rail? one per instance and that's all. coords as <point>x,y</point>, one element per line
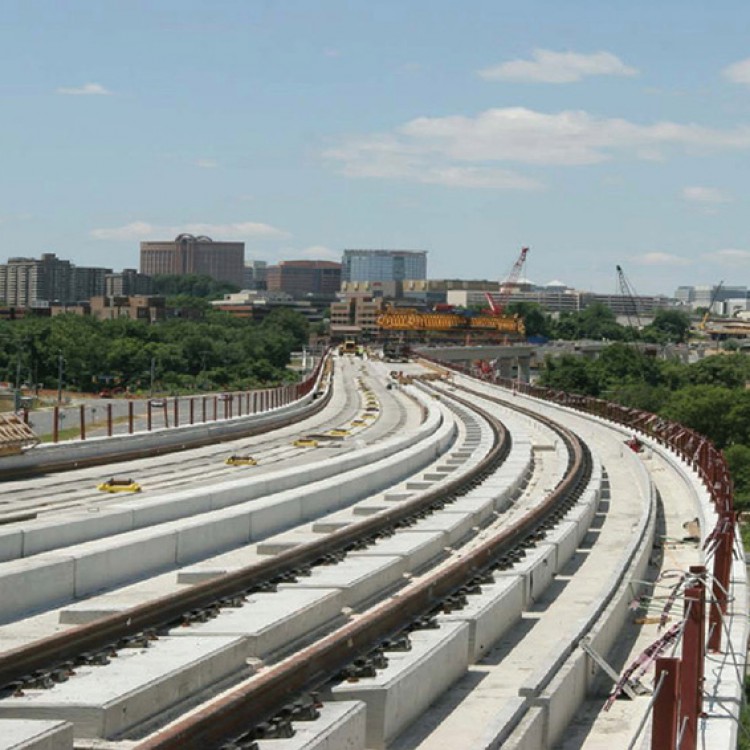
<point>261,697</point>
<point>67,646</point>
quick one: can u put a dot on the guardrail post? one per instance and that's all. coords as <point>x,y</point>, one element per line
<point>665,710</point>
<point>130,417</point>
<point>82,412</point>
<point>226,407</point>
<point>109,420</point>
<point>693,656</point>
<point>216,409</point>
<point>720,588</point>
<point>203,407</point>
<point>149,416</point>
<point>239,404</point>
<point>55,424</point>
<point>247,402</point>
<point>25,415</point>
<point>192,409</point>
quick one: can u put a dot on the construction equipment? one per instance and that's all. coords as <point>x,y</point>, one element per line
<point>631,306</point>
<point>707,314</point>
<point>497,302</point>
<point>408,319</point>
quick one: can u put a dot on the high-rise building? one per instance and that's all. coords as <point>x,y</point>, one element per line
<point>126,283</point>
<point>305,277</point>
<point>384,265</point>
<point>27,282</point>
<point>186,254</point>
<point>255,274</point>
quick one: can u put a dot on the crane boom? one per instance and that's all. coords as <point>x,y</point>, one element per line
<point>497,302</point>
<point>627,291</point>
<point>707,314</point>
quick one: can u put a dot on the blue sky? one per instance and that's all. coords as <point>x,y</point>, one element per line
<point>597,133</point>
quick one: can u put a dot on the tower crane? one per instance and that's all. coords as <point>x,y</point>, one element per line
<point>631,306</point>
<point>707,314</point>
<point>498,302</point>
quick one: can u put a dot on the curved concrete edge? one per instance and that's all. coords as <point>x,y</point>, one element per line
<point>96,450</point>
<point>724,675</point>
<point>39,536</point>
<point>550,698</point>
<point>49,580</point>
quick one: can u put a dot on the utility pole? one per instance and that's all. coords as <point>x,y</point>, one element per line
<point>60,361</point>
<point>153,372</point>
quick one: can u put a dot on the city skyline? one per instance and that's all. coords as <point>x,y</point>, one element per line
<point>595,136</point>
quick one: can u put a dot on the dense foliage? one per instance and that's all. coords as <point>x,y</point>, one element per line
<point>218,352</point>
<point>191,285</point>
<point>598,322</point>
<point>709,396</point>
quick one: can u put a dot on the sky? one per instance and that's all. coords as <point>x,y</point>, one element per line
<point>597,133</point>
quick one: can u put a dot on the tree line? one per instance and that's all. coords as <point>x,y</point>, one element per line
<point>709,396</point>
<point>218,352</point>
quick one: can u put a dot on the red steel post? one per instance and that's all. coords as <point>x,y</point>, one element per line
<point>692,660</point>
<point>666,704</point>
<point>720,588</point>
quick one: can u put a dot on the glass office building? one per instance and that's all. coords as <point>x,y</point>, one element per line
<point>384,265</point>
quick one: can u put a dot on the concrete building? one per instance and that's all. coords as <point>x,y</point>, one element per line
<point>300,278</point>
<point>714,296</point>
<point>148,308</point>
<point>27,282</point>
<point>384,265</point>
<point>355,316</point>
<point>186,254</point>
<point>127,282</point>
<point>256,304</point>
<point>255,274</point>
<point>568,300</point>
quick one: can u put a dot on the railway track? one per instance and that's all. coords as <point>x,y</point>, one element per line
<point>190,468</point>
<point>259,706</point>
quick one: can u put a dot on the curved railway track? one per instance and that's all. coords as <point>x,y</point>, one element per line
<point>190,467</point>
<point>240,712</point>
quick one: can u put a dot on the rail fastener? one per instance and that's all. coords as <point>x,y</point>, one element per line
<point>241,460</point>
<point>119,484</point>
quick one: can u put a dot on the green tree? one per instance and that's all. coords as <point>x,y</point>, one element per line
<point>704,409</point>
<point>571,373</point>
<point>535,321</point>
<point>674,325</point>
<point>738,459</point>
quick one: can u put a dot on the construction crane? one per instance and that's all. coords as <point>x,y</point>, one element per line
<point>707,314</point>
<point>497,302</point>
<point>631,306</point>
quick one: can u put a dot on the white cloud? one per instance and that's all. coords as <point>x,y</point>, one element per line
<point>88,89</point>
<point>738,72</point>
<point>463,151</point>
<point>661,259</point>
<point>321,252</point>
<point>141,230</point>
<point>697,194</point>
<point>206,163</point>
<point>730,257</point>
<point>331,52</point>
<point>558,67</point>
